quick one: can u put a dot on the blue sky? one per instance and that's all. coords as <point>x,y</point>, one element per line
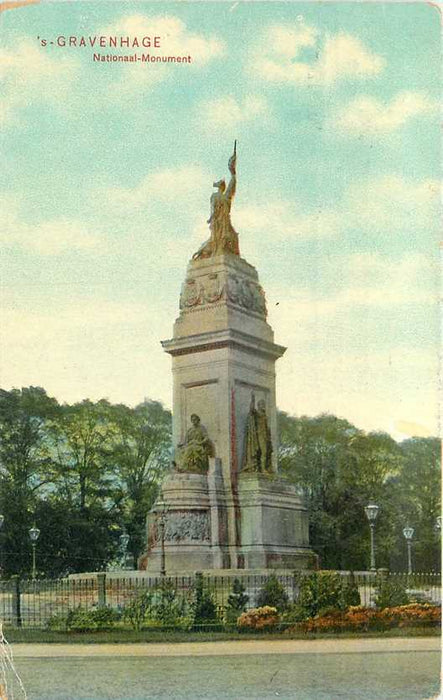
<point>108,174</point>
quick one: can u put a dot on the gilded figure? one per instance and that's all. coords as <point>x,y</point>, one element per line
<point>224,238</point>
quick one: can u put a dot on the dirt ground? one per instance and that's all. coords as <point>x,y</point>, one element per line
<point>231,648</point>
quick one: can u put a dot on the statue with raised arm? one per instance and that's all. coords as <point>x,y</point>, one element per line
<point>224,238</point>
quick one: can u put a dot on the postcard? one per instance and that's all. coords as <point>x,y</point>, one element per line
<point>250,189</point>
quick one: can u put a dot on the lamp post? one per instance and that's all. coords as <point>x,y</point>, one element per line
<point>34,534</point>
<point>162,525</point>
<point>408,533</point>
<point>124,540</point>
<point>371,511</point>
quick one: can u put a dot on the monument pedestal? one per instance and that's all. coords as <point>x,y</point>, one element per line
<point>274,524</point>
<point>194,513</point>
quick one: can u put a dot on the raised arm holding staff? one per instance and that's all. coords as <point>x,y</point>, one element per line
<point>224,238</point>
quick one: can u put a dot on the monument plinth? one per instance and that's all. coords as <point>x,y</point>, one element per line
<point>224,504</point>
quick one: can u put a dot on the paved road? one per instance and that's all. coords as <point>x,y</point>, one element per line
<point>232,648</point>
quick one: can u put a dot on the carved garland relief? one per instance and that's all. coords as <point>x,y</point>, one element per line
<point>212,288</point>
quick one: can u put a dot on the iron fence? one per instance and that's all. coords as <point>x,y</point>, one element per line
<point>33,604</point>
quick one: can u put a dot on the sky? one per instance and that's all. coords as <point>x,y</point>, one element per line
<point>108,170</point>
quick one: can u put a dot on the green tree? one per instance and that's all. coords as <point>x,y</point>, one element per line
<point>237,601</point>
<point>204,608</point>
<point>83,442</point>
<point>73,540</point>
<point>273,593</point>
<point>25,417</point>
<point>26,469</point>
<point>141,456</point>
<point>340,469</point>
<point>417,499</point>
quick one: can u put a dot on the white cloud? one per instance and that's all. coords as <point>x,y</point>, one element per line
<point>174,35</point>
<point>365,282</point>
<point>282,219</point>
<point>374,280</point>
<point>178,186</point>
<point>168,209</point>
<point>367,115</point>
<point>226,112</point>
<point>50,237</point>
<point>386,207</point>
<point>27,72</point>
<point>175,40</point>
<point>391,205</point>
<point>345,56</point>
<point>279,56</point>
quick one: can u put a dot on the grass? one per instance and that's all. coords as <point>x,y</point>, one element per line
<point>35,636</point>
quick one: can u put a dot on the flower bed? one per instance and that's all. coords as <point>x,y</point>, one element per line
<point>264,618</point>
<point>358,618</point>
<point>412,615</point>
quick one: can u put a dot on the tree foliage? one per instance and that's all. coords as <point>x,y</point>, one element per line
<point>82,473</point>
<point>140,457</point>
<point>341,469</point>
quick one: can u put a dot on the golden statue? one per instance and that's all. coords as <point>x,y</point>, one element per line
<point>224,238</point>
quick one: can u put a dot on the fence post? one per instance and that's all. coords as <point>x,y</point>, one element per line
<point>101,590</point>
<point>16,601</point>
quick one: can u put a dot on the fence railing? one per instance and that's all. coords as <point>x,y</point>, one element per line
<point>32,604</point>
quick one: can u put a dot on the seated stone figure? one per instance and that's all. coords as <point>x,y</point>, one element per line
<point>193,455</point>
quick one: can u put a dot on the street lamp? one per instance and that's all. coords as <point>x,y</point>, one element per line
<point>124,540</point>
<point>34,534</point>
<point>371,511</point>
<point>408,533</point>
<point>438,523</point>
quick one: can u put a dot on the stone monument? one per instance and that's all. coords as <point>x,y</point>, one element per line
<point>224,505</point>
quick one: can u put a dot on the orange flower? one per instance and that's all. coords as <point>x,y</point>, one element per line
<point>258,618</point>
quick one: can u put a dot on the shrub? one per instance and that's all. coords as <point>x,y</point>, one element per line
<point>264,618</point>
<point>273,594</point>
<point>325,590</point>
<point>168,609</point>
<point>237,601</point>
<point>57,622</point>
<point>293,613</point>
<point>136,611</point>
<point>105,617</point>
<point>204,609</point>
<point>84,620</point>
<point>351,594</point>
<point>390,592</point>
